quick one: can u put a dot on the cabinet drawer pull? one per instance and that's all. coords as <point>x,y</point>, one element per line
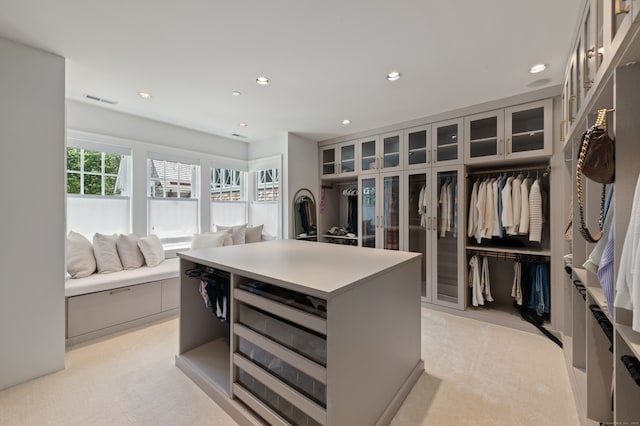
<point>120,290</point>
<point>435,156</point>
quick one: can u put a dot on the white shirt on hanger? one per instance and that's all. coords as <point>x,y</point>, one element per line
<point>507,204</point>
<point>535,212</point>
<point>472,221</point>
<point>516,198</point>
<point>524,211</point>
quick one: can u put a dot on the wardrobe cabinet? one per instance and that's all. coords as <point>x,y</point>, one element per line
<point>432,217</point>
<point>598,336</point>
<point>340,160</point>
<point>522,131</point>
<point>435,144</point>
<point>382,153</point>
<point>380,200</point>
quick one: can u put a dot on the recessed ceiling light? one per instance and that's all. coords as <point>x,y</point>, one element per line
<point>393,76</point>
<point>262,80</point>
<point>346,121</point>
<point>243,124</point>
<point>236,93</point>
<point>537,68</point>
<point>144,95</point>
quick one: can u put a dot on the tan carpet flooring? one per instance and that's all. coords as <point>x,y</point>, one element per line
<point>477,374</point>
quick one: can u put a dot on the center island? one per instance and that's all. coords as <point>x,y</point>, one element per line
<point>294,332</point>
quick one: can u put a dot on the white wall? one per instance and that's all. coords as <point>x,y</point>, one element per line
<point>32,219</point>
<point>94,119</point>
<point>302,173</point>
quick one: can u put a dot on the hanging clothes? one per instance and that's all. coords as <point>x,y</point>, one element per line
<point>474,282</point>
<point>524,206</point>
<point>507,203</point>
<point>516,288</point>
<point>516,198</point>
<point>501,184</point>
<point>628,283</point>
<point>535,212</point>
<point>446,218</point>
<point>606,270</point>
<point>485,282</point>
<point>540,299</point>
<point>352,213</point>
<point>495,228</point>
<point>480,205</point>
<point>472,221</point>
<point>454,208</point>
<point>422,206</point>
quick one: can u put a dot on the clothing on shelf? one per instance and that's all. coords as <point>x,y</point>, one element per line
<point>628,283</point>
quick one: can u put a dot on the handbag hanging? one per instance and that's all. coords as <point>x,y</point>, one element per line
<point>596,161</point>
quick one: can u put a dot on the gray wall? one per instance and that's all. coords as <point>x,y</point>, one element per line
<point>32,216</point>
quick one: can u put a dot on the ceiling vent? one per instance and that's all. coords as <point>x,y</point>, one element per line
<point>238,136</point>
<point>99,99</point>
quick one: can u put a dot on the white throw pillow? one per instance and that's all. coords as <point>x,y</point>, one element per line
<point>80,259</point>
<point>107,259</point>
<point>209,240</point>
<point>151,248</point>
<point>253,234</point>
<point>237,232</point>
<point>129,252</point>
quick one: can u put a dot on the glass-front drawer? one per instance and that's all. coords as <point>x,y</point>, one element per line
<point>298,380</point>
<point>274,401</point>
<point>309,304</point>
<point>293,336</point>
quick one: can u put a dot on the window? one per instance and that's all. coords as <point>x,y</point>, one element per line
<point>173,206</point>
<point>268,185</point>
<point>98,188</point>
<point>227,185</point>
<point>96,173</point>
<point>168,179</point>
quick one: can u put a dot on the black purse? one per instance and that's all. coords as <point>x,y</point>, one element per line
<point>596,161</point>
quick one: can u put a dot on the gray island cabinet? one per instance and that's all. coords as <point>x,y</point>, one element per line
<point>317,334</point>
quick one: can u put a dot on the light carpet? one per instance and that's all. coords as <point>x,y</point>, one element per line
<point>476,374</point>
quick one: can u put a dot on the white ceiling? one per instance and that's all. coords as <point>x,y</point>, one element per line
<point>327,60</point>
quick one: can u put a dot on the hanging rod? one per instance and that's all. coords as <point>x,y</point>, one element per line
<point>545,167</point>
<point>508,255</point>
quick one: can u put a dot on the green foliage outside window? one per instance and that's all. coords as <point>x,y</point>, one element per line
<point>88,171</point>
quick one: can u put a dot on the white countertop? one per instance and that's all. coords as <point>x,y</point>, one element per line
<point>318,269</point>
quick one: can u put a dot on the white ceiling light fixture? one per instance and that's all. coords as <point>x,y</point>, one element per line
<point>243,124</point>
<point>393,76</point>
<point>262,80</point>
<point>145,95</point>
<point>236,93</point>
<point>537,68</point>
<point>347,121</point>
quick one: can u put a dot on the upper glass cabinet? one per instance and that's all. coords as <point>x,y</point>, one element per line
<point>447,148</point>
<point>339,160</point>
<point>391,150</point>
<point>418,153</point>
<point>484,136</point>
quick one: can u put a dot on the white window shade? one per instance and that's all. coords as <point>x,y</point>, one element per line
<point>173,219</point>
<point>228,214</point>
<point>267,214</point>
<point>88,215</point>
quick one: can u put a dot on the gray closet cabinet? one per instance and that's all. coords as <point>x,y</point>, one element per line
<point>432,226</point>
<point>602,73</point>
<point>319,334</point>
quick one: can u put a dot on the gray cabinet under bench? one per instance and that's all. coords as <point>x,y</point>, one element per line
<point>315,334</point>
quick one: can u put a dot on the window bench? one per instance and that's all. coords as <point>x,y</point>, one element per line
<point>102,304</point>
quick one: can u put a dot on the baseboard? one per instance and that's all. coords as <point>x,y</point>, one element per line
<point>401,395</point>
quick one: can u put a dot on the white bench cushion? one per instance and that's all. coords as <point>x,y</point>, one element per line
<point>170,268</point>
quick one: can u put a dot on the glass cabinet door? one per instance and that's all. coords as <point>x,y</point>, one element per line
<point>446,140</point>
<point>483,135</point>
<point>328,159</point>
<point>620,20</point>
<point>589,49</point>
<point>418,221</point>
<point>447,238</point>
<point>369,221</point>
<point>348,158</point>
<point>528,130</point>
<point>391,192</point>
<point>417,152</point>
<point>391,149</point>
<point>369,155</point>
